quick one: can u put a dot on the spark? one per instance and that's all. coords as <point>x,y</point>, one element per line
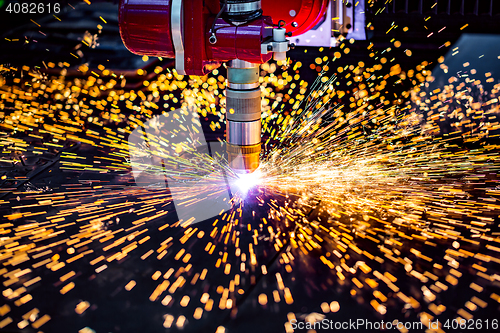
<point>246,181</point>
<point>392,196</point>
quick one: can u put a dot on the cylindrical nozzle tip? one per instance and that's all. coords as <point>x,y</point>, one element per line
<point>243,159</point>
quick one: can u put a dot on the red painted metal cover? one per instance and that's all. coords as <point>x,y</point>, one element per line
<point>196,14</point>
<point>242,42</point>
<point>305,13</point>
<point>145,27</point>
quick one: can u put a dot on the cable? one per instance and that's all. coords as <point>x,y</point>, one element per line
<point>213,38</point>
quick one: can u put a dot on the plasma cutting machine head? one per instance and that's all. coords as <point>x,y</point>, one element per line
<point>203,34</point>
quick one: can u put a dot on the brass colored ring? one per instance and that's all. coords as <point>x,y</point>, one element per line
<point>235,149</point>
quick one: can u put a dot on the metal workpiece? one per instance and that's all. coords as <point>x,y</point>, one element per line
<point>243,133</point>
<point>243,105</point>
<point>244,159</point>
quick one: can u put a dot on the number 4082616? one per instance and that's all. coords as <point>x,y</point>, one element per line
<point>33,8</point>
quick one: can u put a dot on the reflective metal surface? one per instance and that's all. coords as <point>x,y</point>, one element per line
<point>178,35</point>
<point>243,133</point>
<point>242,86</point>
<point>243,7</point>
<point>237,63</point>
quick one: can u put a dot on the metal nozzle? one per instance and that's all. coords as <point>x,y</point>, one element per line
<point>244,158</point>
<point>243,111</point>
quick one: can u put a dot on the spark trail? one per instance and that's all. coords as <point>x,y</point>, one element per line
<point>398,212</point>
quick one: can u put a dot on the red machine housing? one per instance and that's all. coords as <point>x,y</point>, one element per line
<point>146,29</point>
<point>299,15</point>
<point>240,42</point>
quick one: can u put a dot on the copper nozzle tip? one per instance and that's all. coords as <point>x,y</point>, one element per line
<point>243,159</point>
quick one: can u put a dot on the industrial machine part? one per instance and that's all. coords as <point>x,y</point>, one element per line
<point>343,18</point>
<point>203,34</point>
<point>243,112</point>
